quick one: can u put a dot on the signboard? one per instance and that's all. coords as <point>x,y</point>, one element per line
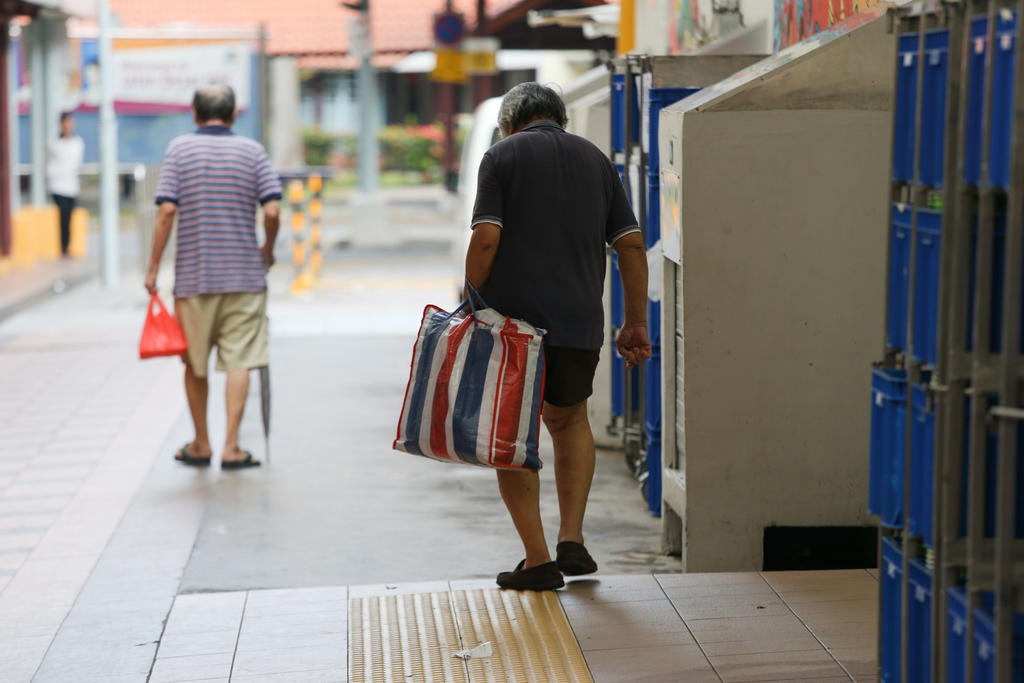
<point>481,55</point>
<point>449,28</point>
<point>449,67</point>
<point>170,76</point>
<point>795,21</point>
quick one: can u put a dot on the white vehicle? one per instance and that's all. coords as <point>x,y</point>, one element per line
<point>483,133</point>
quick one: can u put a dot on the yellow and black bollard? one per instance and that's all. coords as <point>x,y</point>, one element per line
<point>316,206</point>
<point>295,196</point>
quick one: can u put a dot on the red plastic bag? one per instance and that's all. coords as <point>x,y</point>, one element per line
<point>161,335</point>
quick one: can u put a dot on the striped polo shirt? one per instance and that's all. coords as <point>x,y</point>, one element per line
<point>217,178</point>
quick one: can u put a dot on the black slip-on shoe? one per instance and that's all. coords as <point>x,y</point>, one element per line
<point>573,559</point>
<point>543,577</point>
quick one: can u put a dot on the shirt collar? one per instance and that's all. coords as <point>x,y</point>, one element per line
<point>541,123</point>
<point>213,130</point>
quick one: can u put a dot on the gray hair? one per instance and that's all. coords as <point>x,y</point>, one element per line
<point>527,102</point>
<point>214,103</point>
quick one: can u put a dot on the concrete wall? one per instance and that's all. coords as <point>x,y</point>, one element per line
<point>782,285</point>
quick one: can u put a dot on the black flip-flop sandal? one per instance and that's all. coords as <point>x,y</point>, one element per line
<point>247,461</point>
<point>186,458</point>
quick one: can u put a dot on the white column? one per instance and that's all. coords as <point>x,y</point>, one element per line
<point>108,153</point>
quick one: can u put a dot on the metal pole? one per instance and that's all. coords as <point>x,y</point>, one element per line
<point>6,138</point>
<point>1007,593</point>
<point>13,138</point>
<point>37,69</point>
<point>264,74</point>
<point>368,150</point>
<point>108,153</point>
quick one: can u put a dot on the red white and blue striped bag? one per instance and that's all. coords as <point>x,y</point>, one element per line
<point>475,390</point>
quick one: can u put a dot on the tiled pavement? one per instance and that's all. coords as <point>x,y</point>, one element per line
<point>775,626</point>
<point>89,592</point>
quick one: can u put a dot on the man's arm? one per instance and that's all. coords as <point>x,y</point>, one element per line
<point>271,223</point>
<point>164,223</point>
<point>632,341</point>
<point>483,247</point>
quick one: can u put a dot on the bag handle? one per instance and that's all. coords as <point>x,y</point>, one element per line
<point>154,300</point>
<point>474,294</point>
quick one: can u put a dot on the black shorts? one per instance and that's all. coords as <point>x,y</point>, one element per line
<point>569,374</point>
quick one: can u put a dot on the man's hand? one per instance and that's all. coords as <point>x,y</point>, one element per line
<point>151,280</point>
<point>267,252</point>
<point>633,344</point>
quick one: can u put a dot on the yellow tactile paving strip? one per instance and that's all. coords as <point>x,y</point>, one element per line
<point>412,638</point>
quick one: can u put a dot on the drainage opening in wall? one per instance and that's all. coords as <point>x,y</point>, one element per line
<point>820,547</point>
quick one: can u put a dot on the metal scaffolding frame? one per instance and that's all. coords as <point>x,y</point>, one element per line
<point>967,370</point>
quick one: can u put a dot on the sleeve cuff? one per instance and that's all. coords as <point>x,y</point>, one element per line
<point>622,233</point>
<point>487,219</point>
<point>161,198</point>
<point>270,197</point>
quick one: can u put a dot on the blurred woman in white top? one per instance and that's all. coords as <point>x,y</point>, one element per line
<point>63,164</point>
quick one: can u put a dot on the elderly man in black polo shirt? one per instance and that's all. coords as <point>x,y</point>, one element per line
<point>548,203</point>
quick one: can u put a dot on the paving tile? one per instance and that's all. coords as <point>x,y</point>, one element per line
<point>192,644</point>
<point>620,613</point>
<point>873,573</point>
<point>746,628</point>
<point>867,591</point>
<point>297,624</point>
<point>846,608</point>
<point>763,644</point>
<point>192,668</point>
<point>372,590</point>
<point>664,663</point>
<point>88,660</point>
<point>868,637</point>
<point>722,606</point>
<point>718,589</point>
<point>206,612</point>
<point>326,676</point>
<point>809,664</point>
<point>257,642</point>
<point>290,660</point>
<point>597,591</point>
<point>804,580</point>
<point>858,661</point>
<point>709,579</point>
<point>614,636</point>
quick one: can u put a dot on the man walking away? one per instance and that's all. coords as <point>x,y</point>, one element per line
<point>213,181</point>
<point>548,203</point>
<point>63,165</point>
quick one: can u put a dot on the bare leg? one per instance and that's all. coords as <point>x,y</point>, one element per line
<point>237,391</point>
<point>520,489</point>
<point>196,391</point>
<point>574,465</point>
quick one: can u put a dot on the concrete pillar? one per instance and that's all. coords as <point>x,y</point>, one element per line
<point>36,36</point>
<point>55,66</point>
<point>284,139</point>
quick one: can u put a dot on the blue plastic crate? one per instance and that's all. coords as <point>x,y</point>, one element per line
<point>652,425</point>
<point>926,285</point>
<point>998,266</point>
<point>1002,100</point>
<point>906,106</point>
<point>975,100</point>
<point>658,99</point>
<point>922,465</point>
<point>956,636</point>
<point>984,650</point>
<point>618,318</point>
<point>919,622</point>
<point>899,275</point>
<point>888,431</point>
<point>933,107</point>
<point>892,599</point>
<point>618,113</point>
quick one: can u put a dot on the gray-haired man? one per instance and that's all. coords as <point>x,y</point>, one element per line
<point>548,203</point>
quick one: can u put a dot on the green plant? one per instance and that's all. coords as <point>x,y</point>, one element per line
<point>412,148</point>
<point>318,145</point>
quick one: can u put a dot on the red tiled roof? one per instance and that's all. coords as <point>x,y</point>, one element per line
<point>306,27</point>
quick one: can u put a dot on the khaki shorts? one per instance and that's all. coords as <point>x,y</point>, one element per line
<point>235,323</point>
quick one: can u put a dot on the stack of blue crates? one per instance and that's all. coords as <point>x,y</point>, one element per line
<point>658,99</point>
<point>919,621</point>
<point>888,432</point>
<point>892,601</point>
